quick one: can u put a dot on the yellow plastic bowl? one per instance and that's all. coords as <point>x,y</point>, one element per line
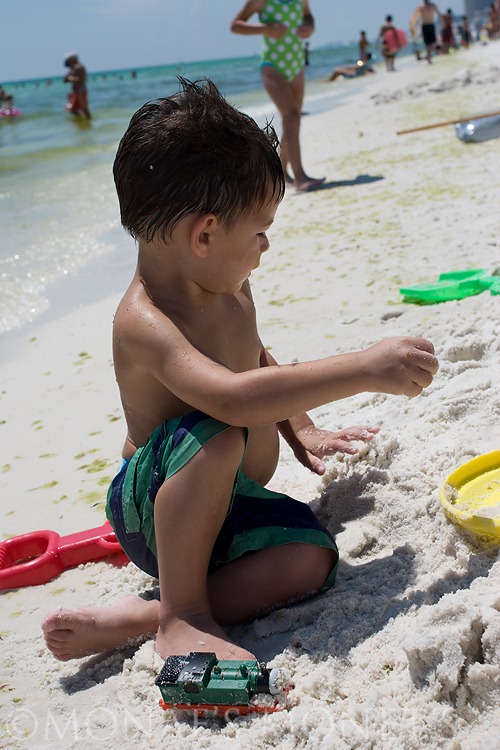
<point>470,496</point>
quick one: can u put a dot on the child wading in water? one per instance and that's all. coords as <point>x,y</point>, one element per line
<point>199,184</point>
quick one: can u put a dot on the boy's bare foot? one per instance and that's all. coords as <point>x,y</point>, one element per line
<point>197,633</point>
<point>309,184</point>
<point>74,633</point>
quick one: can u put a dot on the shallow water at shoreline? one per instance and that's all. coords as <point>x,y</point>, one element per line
<point>58,208</point>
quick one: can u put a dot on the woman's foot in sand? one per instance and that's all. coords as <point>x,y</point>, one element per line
<point>75,633</point>
<point>178,637</point>
<point>310,183</point>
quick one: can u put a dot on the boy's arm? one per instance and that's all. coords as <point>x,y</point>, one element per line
<point>275,393</point>
<point>287,427</point>
<point>309,443</point>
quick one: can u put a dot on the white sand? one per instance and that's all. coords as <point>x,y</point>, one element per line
<point>404,652</point>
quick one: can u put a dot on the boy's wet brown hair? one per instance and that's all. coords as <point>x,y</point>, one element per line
<point>193,152</point>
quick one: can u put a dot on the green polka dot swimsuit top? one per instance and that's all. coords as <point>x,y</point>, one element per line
<point>285,54</point>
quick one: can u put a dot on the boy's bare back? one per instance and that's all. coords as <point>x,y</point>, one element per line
<point>184,327</point>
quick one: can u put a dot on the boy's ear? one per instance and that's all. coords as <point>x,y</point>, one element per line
<point>202,233</point>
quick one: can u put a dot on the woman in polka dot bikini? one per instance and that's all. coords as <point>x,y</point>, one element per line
<point>283,24</point>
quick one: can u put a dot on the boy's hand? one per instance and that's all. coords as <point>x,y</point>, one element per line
<point>400,365</point>
<point>313,444</point>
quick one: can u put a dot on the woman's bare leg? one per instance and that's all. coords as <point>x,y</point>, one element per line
<point>297,88</point>
<point>288,99</point>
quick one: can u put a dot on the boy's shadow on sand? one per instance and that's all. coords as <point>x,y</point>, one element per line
<point>362,179</point>
<point>377,585</point>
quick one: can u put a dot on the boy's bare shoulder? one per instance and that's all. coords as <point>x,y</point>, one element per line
<point>134,310</point>
<point>147,332</point>
<point>139,326</point>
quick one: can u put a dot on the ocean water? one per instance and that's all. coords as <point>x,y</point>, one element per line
<point>61,240</point>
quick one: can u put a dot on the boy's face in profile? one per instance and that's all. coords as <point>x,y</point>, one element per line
<point>238,249</point>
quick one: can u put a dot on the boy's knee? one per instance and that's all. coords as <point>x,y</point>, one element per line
<point>322,564</point>
<point>316,566</point>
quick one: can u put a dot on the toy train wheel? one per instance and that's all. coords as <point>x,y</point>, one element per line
<point>210,710</point>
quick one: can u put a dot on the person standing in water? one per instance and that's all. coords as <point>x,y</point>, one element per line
<point>284,24</point>
<point>6,98</point>
<point>77,76</point>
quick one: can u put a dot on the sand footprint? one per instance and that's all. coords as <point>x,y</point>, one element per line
<point>466,350</point>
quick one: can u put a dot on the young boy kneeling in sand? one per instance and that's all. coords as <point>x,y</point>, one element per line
<point>199,184</point>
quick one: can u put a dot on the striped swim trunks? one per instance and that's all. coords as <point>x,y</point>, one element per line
<point>257,518</point>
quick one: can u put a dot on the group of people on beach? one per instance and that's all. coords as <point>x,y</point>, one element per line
<point>425,18</point>
<point>205,402</point>
<point>451,35</point>
<point>78,98</point>
<point>423,22</point>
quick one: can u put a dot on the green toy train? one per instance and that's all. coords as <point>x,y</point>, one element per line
<point>201,683</point>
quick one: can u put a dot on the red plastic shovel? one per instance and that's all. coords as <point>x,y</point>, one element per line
<point>40,556</point>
